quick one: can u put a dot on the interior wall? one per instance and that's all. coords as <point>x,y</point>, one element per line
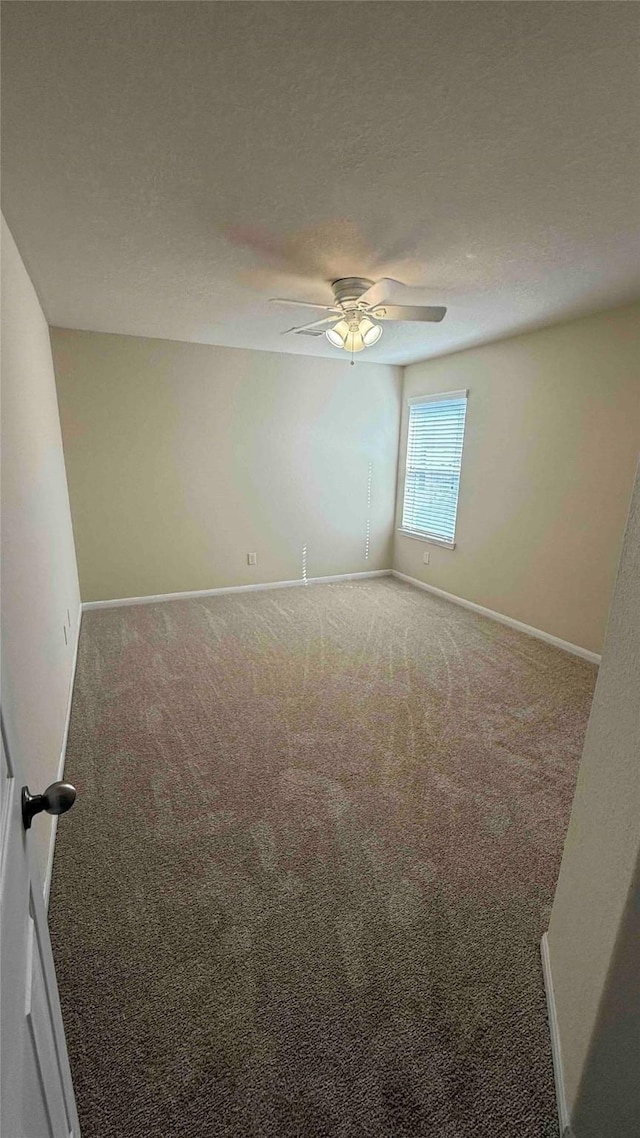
<point>594,931</point>
<point>183,458</point>
<point>40,595</point>
<point>551,443</point>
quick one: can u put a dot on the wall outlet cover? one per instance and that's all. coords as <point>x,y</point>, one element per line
<point>425,557</point>
<point>252,558</point>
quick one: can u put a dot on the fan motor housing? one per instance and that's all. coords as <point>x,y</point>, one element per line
<point>347,289</point>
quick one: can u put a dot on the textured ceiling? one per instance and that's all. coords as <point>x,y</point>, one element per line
<point>169,166</point>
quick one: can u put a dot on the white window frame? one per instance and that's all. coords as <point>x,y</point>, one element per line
<point>423,535</point>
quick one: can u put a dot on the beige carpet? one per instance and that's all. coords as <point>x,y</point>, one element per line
<point>314,849</point>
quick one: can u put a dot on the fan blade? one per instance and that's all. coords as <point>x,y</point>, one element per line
<point>303,304</point>
<point>308,327</point>
<point>421,313</point>
<point>380,291</point>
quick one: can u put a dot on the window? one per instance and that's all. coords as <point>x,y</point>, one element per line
<point>434,457</point>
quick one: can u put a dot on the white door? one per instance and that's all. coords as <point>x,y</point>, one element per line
<point>36,1095</point>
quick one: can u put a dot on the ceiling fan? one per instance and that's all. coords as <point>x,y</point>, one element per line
<point>359,304</point>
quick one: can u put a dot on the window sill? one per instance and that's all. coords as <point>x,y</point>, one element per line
<point>426,537</point>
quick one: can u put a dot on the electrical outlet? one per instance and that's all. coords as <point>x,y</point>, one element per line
<point>252,558</point>
<point>425,557</point>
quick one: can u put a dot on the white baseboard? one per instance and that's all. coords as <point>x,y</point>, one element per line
<point>61,761</point>
<point>153,600</point>
<point>566,645</point>
<point>157,598</point>
<point>561,1098</point>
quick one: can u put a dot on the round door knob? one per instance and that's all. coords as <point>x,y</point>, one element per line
<point>57,799</point>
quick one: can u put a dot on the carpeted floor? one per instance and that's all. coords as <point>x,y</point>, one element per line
<point>314,849</point>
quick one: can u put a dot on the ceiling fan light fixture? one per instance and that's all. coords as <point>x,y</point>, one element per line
<point>354,335</point>
<point>360,305</point>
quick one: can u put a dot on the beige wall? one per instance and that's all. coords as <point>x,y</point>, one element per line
<point>594,932</point>
<point>40,595</point>
<point>551,443</point>
<point>182,458</point>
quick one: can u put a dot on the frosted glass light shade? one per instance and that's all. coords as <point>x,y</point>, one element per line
<point>338,334</point>
<point>353,341</point>
<point>369,331</point>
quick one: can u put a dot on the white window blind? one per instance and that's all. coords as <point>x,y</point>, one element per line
<point>434,459</point>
